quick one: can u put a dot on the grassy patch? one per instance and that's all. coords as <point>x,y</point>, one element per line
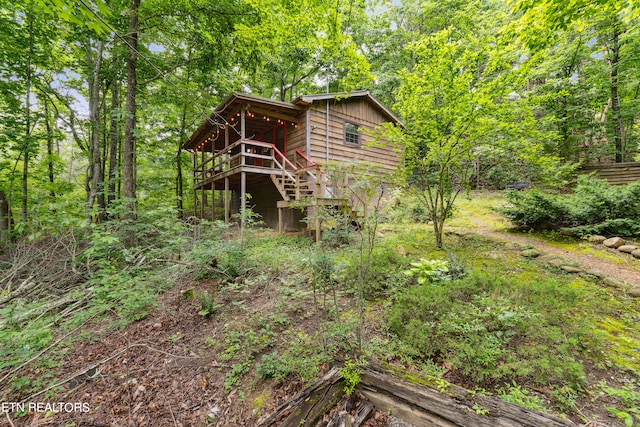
<point>492,329</point>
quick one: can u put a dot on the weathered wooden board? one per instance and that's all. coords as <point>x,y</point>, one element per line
<point>615,173</point>
<point>412,402</point>
<point>454,406</point>
<point>306,407</point>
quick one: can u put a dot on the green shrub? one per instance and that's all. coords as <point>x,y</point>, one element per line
<point>594,206</point>
<point>383,273</point>
<point>493,329</point>
<point>271,367</point>
<point>535,209</point>
<point>433,271</point>
<point>208,304</point>
<point>437,271</point>
<point>612,227</point>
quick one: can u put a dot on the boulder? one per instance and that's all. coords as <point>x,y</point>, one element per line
<point>636,253</point>
<point>614,242</point>
<point>553,260</point>
<point>530,253</point>
<point>597,273</point>
<point>634,292</point>
<point>571,269</point>
<point>627,248</point>
<point>596,239</point>
<point>611,281</point>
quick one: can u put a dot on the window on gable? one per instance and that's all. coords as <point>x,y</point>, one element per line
<point>351,134</point>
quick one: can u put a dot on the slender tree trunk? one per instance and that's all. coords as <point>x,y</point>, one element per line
<point>96,187</point>
<point>183,137</point>
<point>179,177</point>
<point>113,145</point>
<point>27,140</point>
<point>52,191</point>
<point>615,97</point>
<point>129,149</point>
<point>5,220</point>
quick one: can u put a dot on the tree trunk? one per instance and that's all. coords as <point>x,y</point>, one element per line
<point>5,220</point>
<point>615,97</point>
<point>179,177</point>
<point>52,191</point>
<point>27,137</point>
<point>96,187</point>
<point>113,145</point>
<point>129,149</point>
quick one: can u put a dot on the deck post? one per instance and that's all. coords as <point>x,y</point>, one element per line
<point>195,178</point>
<point>226,200</point>
<point>280,220</point>
<point>213,202</point>
<point>242,123</point>
<point>226,179</point>
<point>243,199</point>
<point>204,199</point>
<point>243,175</point>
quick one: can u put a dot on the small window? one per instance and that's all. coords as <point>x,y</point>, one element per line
<point>351,134</point>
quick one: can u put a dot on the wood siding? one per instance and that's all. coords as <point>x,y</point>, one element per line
<point>615,173</point>
<point>357,111</point>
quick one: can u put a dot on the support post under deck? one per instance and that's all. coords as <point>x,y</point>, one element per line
<point>243,199</point>
<point>226,200</point>
<point>213,202</point>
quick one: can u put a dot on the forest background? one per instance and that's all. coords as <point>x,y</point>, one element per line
<point>96,97</point>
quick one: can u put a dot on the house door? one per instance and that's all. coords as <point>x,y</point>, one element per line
<point>280,137</point>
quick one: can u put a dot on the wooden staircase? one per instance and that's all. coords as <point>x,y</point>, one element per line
<point>292,188</point>
<point>304,188</point>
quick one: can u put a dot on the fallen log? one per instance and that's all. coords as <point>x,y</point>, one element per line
<point>419,404</point>
<point>418,400</point>
<point>306,407</point>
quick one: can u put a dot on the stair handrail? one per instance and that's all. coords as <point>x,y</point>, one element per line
<point>310,163</point>
<point>284,164</point>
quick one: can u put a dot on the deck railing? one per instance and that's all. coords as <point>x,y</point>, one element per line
<point>244,152</point>
<point>302,172</point>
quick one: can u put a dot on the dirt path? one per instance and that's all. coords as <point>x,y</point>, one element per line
<point>628,272</point>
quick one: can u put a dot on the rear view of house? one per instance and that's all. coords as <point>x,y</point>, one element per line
<point>277,153</point>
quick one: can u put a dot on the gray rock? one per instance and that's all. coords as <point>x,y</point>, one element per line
<point>596,239</point>
<point>610,281</point>
<point>571,269</point>
<point>614,242</point>
<point>627,248</point>
<point>634,292</point>
<point>552,260</point>
<point>636,253</point>
<point>530,253</point>
<point>597,273</point>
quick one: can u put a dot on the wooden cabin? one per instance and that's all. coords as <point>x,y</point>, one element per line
<point>277,153</point>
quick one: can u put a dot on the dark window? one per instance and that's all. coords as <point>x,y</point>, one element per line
<point>351,134</point>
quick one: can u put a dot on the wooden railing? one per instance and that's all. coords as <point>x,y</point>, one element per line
<point>244,152</point>
<point>303,173</point>
<point>615,173</point>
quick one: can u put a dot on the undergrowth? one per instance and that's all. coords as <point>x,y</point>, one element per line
<point>492,329</point>
<point>477,310</point>
<point>592,207</point>
<point>113,270</point>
